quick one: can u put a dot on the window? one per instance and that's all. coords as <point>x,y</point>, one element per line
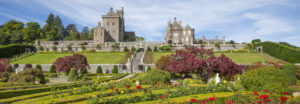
<point>187,39</point>
<point>107,23</point>
<point>176,34</point>
<point>184,32</point>
<point>113,23</point>
<point>189,31</point>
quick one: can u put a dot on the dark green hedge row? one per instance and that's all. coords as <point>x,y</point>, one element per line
<point>281,51</point>
<point>8,51</point>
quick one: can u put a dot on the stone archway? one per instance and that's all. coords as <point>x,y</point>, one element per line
<point>140,50</point>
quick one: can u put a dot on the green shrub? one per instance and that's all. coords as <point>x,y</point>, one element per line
<point>11,50</point>
<point>166,48</point>
<point>54,48</point>
<point>290,70</point>
<point>149,49</point>
<point>38,66</point>
<point>52,69</point>
<point>40,48</point>
<point>255,41</point>
<point>73,75</point>
<point>217,45</point>
<point>281,51</point>
<point>155,49</point>
<point>99,70</point>
<point>155,75</point>
<point>132,49</point>
<point>115,69</point>
<point>148,68</point>
<point>51,75</point>
<point>28,75</point>
<point>82,47</point>
<point>126,49</point>
<point>265,78</point>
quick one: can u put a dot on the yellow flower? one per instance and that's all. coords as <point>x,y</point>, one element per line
<point>214,89</point>
<point>225,81</point>
<point>74,88</point>
<point>122,92</point>
<point>192,81</point>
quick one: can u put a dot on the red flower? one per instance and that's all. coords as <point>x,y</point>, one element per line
<point>255,93</point>
<point>138,87</point>
<point>229,102</point>
<point>160,97</point>
<point>127,86</point>
<point>285,93</point>
<point>117,90</point>
<point>284,99</point>
<point>267,100</point>
<point>204,101</point>
<point>193,100</point>
<point>263,96</point>
<point>266,91</point>
<point>111,87</point>
<point>155,83</point>
<point>259,102</point>
<point>175,85</point>
<point>211,99</point>
<point>292,96</point>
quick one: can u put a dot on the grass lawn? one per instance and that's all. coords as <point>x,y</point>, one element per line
<point>240,58</point>
<point>93,58</point>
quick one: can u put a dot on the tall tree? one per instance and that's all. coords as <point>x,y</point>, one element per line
<point>11,29</point>
<point>84,35</point>
<point>68,29</point>
<point>58,26</point>
<point>91,35</point>
<point>49,31</point>
<point>74,34</point>
<point>31,31</point>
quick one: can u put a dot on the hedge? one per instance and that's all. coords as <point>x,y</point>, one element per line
<point>281,51</point>
<point>11,50</point>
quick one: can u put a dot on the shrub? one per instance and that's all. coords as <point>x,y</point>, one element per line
<point>155,49</point>
<point>290,70</point>
<point>255,41</point>
<point>54,48</point>
<point>132,49</point>
<point>51,75</point>
<point>28,75</point>
<point>99,70</point>
<point>73,75</point>
<point>82,47</point>
<point>166,48</point>
<point>98,46</point>
<point>69,47</point>
<point>126,49</point>
<point>11,50</point>
<point>38,66</point>
<point>52,69</point>
<point>115,69</point>
<point>149,49</point>
<point>155,76</point>
<point>9,69</point>
<point>217,45</point>
<point>281,51</point>
<point>40,48</point>
<point>265,78</point>
<point>27,66</point>
<point>148,68</point>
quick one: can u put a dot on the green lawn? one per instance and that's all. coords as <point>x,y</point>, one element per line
<point>240,58</point>
<point>93,58</point>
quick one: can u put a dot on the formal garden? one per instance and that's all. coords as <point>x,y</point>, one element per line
<point>190,76</point>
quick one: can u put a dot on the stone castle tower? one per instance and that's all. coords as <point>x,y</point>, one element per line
<point>179,35</point>
<point>112,29</point>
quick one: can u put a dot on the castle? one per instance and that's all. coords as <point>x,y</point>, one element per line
<point>113,29</point>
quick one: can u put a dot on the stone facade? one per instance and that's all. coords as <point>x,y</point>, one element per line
<point>179,35</point>
<point>112,28</point>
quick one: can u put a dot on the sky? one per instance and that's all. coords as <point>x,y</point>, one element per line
<point>238,20</point>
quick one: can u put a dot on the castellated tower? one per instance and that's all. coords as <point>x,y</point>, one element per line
<point>112,29</point>
<point>179,35</point>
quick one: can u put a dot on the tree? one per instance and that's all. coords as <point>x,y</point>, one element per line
<point>115,69</point>
<point>84,35</point>
<point>16,37</point>
<point>255,41</point>
<point>162,62</point>
<point>227,68</point>
<point>99,70</point>
<point>68,29</point>
<point>11,32</point>
<point>74,34</point>
<point>31,32</point>
<point>48,29</point>
<point>155,49</point>
<point>82,47</point>
<point>149,49</point>
<point>148,68</point>
<point>4,63</point>
<point>54,48</point>
<point>69,47</point>
<point>58,26</point>
<point>91,35</point>
<point>77,61</point>
<point>41,48</point>
<point>132,49</point>
<point>231,42</point>
<point>52,69</point>
<point>98,46</point>
<point>126,49</point>
<point>28,75</point>
<point>73,75</point>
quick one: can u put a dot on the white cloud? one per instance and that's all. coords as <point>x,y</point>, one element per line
<point>13,17</point>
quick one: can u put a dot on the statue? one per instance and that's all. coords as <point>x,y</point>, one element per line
<point>217,80</point>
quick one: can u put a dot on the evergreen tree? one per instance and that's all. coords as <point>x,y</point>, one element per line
<point>74,34</point>
<point>58,26</point>
<point>52,69</point>
<point>99,70</point>
<point>48,29</point>
<point>149,49</point>
<point>115,69</point>
<point>148,68</point>
<point>11,32</point>
<point>155,49</point>
<point>84,35</point>
<point>132,49</point>
<point>126,49</point>
<point>38,66</point>
<point>73,75</point>
<point>68,29</point>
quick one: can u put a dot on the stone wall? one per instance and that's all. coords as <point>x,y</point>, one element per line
<point>107,47</point>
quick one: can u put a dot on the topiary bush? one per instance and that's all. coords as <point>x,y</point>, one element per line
<point>52,69</point>
<point>27,66</point>
<point>155,75</point>
<point>132,49</point>
<point>115,69</point>
<point>126,49</point>
<point>290,70</point>
<point>28,75</point>
<point>73,75</point>
<point>38,66</point>
<point>99,70</point>
<point>155,49</point>
<point>148,68</point>
<point>265,78</point>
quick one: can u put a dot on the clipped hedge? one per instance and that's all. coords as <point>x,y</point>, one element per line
<point>281,51</point>
<point>9,51</point>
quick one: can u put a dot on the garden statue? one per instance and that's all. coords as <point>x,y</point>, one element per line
<point>217,80</point>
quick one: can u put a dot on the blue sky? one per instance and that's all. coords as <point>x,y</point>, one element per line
<point>238,20</point>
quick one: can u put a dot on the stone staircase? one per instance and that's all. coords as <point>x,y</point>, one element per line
<point>136,61</point>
